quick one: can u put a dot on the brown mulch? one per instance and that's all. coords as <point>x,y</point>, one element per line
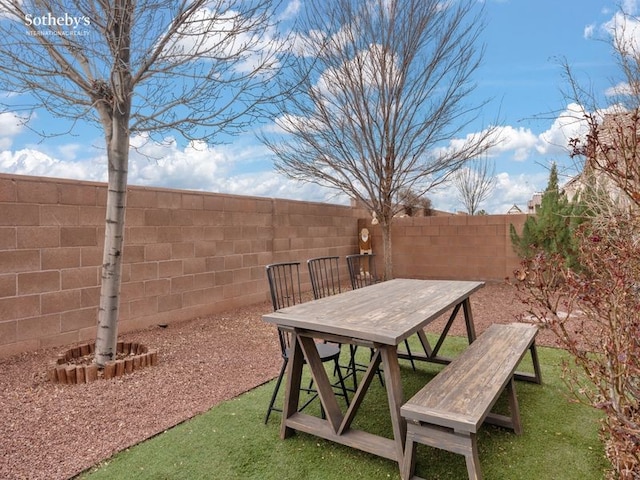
<point>52,431</point>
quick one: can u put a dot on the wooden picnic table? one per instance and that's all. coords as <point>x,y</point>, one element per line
<point>381,317</point>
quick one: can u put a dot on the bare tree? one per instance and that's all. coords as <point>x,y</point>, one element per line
<point>408,200</point>
<point>196,68</point>
<point>382,88</point>
<point>474,183</point>
<point>414,205</point>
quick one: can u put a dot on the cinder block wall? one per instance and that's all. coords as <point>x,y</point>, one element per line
<point>190,254</point>
<point>186,254</point>
<point>455,247</point>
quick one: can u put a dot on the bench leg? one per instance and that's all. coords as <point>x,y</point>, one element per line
<point>512,420</point>
<point>462,443</point>
<point>536,376</point>
<point>514,407</point>
<point>408,465</point>
<point>472,459</point>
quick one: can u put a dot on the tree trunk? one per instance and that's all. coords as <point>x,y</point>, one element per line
<point>118,158</point>
<point>386,250</point>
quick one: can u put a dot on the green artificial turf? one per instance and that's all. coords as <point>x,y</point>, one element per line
<point>560,440</point>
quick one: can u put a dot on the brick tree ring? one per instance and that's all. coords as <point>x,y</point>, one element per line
<point>76,364</point>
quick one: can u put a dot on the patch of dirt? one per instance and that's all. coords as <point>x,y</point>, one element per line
<point>52,431</point>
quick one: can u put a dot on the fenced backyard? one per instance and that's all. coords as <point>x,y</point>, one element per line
<point>190,254</point>
<point>194,263</point>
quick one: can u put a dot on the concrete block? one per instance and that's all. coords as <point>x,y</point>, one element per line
<point>19,214</point>
<point>19,260</point>
<point>38,282</point>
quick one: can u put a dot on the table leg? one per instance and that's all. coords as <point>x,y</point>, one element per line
<point>432,353</point>
<point>393,385</point>
<point>336,427</point>
<point>323,385</point>
<point>468,320</point>
<point>292,389</point>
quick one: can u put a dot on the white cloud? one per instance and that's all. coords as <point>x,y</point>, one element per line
<point>195,167</point>
<point>589,31</point>
<point>514,190</point>
<point>10,126</point>
<point>622,88</point>
<point>571,123</point>
<point>291,10</point>
<point>224,35</point>
<point>34,162</point>
<point>625,29</point>
<point>630,6</point>
<point>517,142</point>
<point>520,144</point>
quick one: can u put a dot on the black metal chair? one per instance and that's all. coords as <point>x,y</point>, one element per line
<point>362,270</point>
<point>325,281</point>
<point>325,276</point>
<point>284,284</point>
<point>362,273</point>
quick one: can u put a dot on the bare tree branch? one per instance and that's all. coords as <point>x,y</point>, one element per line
<point>474,183</point>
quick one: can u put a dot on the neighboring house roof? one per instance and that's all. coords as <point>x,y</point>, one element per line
<point>514,210</point>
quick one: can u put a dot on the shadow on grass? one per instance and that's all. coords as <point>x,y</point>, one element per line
<point>230,441</point>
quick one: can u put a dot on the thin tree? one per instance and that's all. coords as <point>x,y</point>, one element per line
<point>383,87</point>
<point>474,183</point>
<point>193,68</point>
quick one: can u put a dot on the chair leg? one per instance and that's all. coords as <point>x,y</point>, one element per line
<point>341,381</point>
<point>353,367</point>
<point>276,389</point>
<point>413,365</point>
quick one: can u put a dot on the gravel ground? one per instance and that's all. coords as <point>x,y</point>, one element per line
<point>52,431</point>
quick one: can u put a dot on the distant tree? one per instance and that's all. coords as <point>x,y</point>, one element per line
<point>426,205</point>
<point>193,68</point>
<point>474,183</point>
<point>408,200</point>
<point>382,86</point>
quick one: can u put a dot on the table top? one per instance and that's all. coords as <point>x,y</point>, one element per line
<point>386,313</point>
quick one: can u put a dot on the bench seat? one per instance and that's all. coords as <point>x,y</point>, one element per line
<point>449,410</point>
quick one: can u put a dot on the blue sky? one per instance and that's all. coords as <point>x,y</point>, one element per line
<point>525,42</point>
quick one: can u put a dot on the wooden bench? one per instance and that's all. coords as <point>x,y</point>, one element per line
<point>449,410</point>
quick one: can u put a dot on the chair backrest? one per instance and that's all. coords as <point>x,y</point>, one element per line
<point>362,270</point>
<point>325,278</point>
<point>284,283</point>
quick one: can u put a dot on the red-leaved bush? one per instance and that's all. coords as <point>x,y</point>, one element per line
<point>595,313</point>
<point>593,307</point>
